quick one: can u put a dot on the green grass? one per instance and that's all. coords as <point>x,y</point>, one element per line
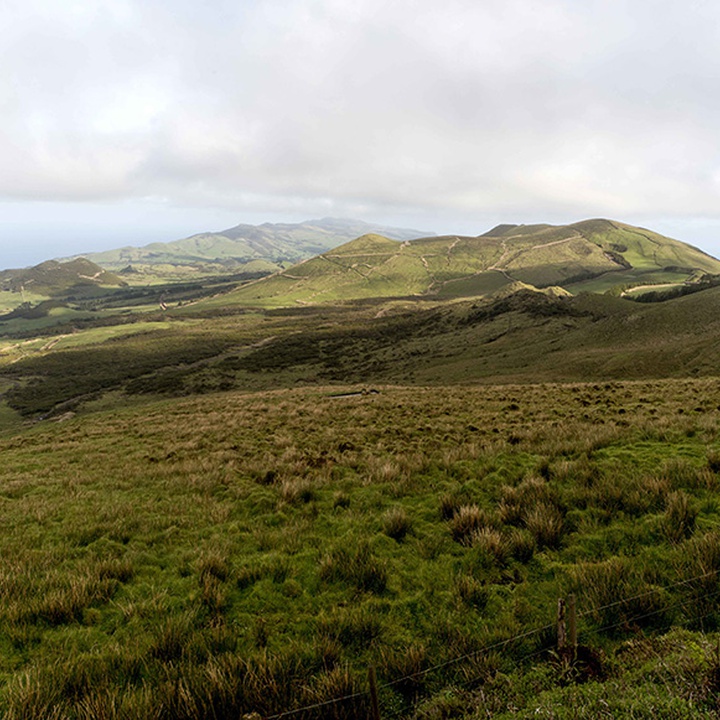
<point>10,300</point>
<point>220,509</point>
<point>239,552</point>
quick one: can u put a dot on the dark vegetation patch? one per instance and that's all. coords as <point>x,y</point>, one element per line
<point>571,338</point>
<point>57,379</point>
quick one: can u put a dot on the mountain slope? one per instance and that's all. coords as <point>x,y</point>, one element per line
<point>277,243</point>
<point>588,255</point>
<point>53,278</point>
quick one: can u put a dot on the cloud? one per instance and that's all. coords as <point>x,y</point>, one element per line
<point>467,108</point>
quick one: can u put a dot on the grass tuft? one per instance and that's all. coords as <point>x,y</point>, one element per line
<point>396,523</point>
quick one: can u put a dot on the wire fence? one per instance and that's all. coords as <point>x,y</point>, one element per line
<point>548,646</point>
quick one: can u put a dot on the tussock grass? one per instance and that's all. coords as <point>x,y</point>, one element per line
<point>468,521</point>
<point>359,567</point>
<point>252,553</point>
<point>396,523</point>
<point>678,521</point>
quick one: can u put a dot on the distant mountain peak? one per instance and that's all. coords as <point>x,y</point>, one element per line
<point>277,244</point>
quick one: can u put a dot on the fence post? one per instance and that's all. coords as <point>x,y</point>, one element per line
<point>561,636</point>
<point>374,704</point>
<point>572,626</point>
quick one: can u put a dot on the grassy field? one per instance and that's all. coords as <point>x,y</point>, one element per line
<point>234,553</point>
<point>212,509</point>
<point>526,337</point>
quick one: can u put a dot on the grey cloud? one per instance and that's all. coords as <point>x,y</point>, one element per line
<point>465,107</point>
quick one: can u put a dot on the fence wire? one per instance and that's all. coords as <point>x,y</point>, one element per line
<point>522,636</point>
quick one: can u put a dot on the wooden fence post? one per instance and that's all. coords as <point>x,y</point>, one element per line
<point>572,626</point>
<point>561,636</point>
<point>374,704</point>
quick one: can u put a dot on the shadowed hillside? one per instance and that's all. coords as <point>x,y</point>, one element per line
<point>523,337</point>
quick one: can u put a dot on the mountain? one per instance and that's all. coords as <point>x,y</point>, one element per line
<point>269,246</point>
<point>591,255</point>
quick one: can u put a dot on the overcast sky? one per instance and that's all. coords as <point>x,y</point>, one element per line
<point>129,121</point>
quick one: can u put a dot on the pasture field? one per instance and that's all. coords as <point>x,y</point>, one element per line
<point>237,553</point>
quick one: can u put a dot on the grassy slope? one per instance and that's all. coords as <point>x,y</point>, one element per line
<point>526,337</point>
<point>593,254</point>
<point>208,557</point>
<point>270,242</point>
<point>211,556</point>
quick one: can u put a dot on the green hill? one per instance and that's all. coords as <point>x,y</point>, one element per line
<point>277,244</point>
<point>594,255</point>
<point>53,278</point>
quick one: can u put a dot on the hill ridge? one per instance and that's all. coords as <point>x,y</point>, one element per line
<point>595,255</point>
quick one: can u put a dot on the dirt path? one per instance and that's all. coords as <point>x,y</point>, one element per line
<point>497,265</point>
<point>641,288</point>
<point>450,249</point>
<point>556,242</point>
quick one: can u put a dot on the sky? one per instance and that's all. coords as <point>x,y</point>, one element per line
<point>124,122</point>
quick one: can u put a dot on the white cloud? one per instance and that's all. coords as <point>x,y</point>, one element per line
<point>463,109</point>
